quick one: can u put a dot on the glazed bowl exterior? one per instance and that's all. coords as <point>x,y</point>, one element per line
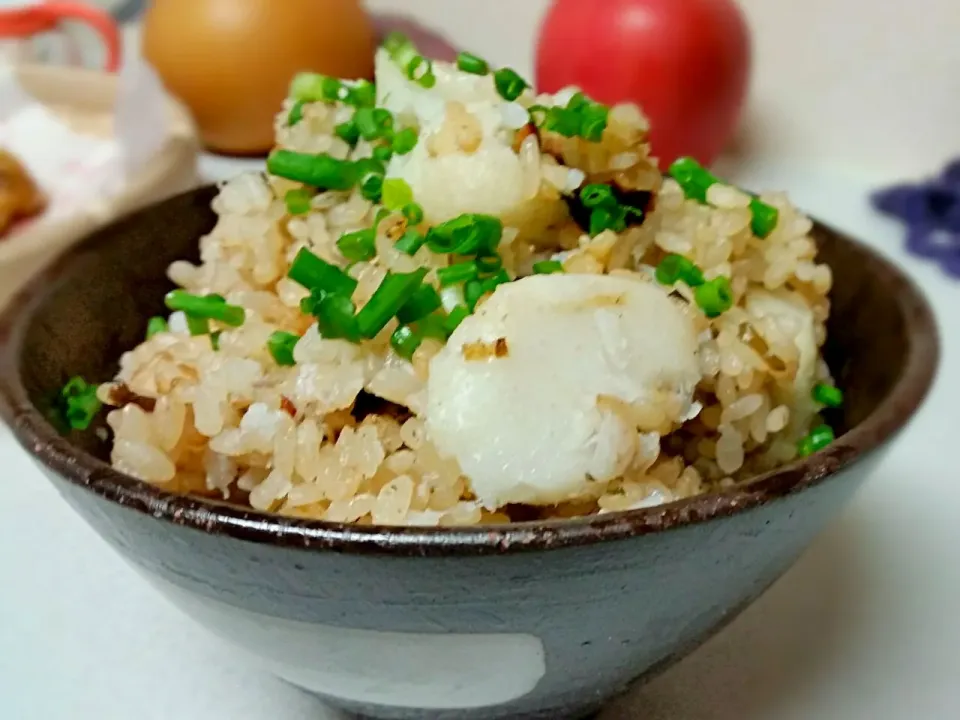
<point>534,620</point>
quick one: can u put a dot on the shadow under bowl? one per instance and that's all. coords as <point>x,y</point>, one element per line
<point>533,620</point>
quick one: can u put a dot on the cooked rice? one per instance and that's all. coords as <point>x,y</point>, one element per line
<point>339,436</point>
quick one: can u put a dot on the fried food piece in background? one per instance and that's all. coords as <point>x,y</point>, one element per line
<point>20,198</point>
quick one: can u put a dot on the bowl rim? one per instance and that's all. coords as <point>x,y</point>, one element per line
<point>38,437</point>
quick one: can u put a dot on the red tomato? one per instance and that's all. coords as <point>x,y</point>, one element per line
<point>686,63</point>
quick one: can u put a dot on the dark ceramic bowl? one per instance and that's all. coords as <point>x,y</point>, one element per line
<point>534,620</point>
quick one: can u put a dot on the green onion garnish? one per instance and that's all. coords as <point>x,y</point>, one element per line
<point>404,141</point>
<point>470,63</point>
<point>597,195</point>
<point>358,245</point>
<point>373,123</point>
<point>509,84</point>
<point>215,339</point>
<point>207,307</point>
<point>362,94</point>
<point>296,113</point>
<point>396,193</point>
<point>423,302</point>
<point>197,325</point>
<point>382,153</point>
<point>405,341</point>
<point>675,267</point>
<point>546,267</point>
<point>696,180</point>
<point>387,300</point>
<point>467,234</point>
<point>489,263</point>
<point>371,187</point>
<point>313,87</point>
<point>298,201</point>
<point>80,403</point>
<point>348,132</point>
<point>320,171</point>
<point>413,213</point>
<point>336,317</point>
<point>490,284</point>
<point>281,345</point>
<point>562,121</point>
<point>434,326</point>
<point>763,219</point>
<point>155,326</point>
<point>458,273</point>
<point>455,317</point>
<point>411,242</point>
<point>404,53</point>
<point>827,395</point>
<point>714,297</point>
<point>315,274</point>
<point>816,440</point>
<point>472,292</point>
<point>593,121</point>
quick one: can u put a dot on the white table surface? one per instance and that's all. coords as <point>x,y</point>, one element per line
<point>865,627</point>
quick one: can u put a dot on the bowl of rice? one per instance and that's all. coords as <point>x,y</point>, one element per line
<point>462,408</point>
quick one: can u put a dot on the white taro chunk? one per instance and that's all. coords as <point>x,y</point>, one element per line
<point>467,159</point>
<point>515,396</point>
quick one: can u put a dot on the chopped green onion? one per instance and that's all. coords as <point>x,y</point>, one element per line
<point>692,178</point>
<point>155,326</point>
<point>675,267</point>
<point>281,345</point>
<point>546,267</point>
<point>423,302</point>
<point>358,245</point>
<point>320,171</point>
<point>467,234</point>
<point>405,341</point>
<point>816,440</point>
<point>578,101</point>
<point>336,317</point>
<point>434,326</point>
<point>387,300</point>
<point>209,307</point>
<point>362,94</point>
<point>215,339</point>
<point>396,193</point>
<point>714,297</point>
<point>197,325</point>
<point>763,219</point>
<point>472,292</point>
<point>348,132</point>
<point>404,53</point>
<point>509,84</point>
<point>373,123</point>
<point>80,403</point>
<point>490,284</point>
<point>827,395</point>
<point>298,201</point>
<point>489,263</point>
<point>315,274</point>
<point>593,121</point>
<point>413,213</point>
<point>600,220</point>
<point>410,243</point>
<point>371,187</point>
<point>314,87</point>
<point>455,317</point>
<point>296,113</point>
<point>470,63</point>
<point>458,273</point>
<point>382,153</point>
<point>538,114</point>
<point>562,121</point>
<point>597,195</point>
<point>404,141</point>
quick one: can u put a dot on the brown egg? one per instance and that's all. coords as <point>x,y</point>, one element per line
<point>231,61</point>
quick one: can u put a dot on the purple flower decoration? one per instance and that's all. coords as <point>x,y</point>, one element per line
<point>931,211</point>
